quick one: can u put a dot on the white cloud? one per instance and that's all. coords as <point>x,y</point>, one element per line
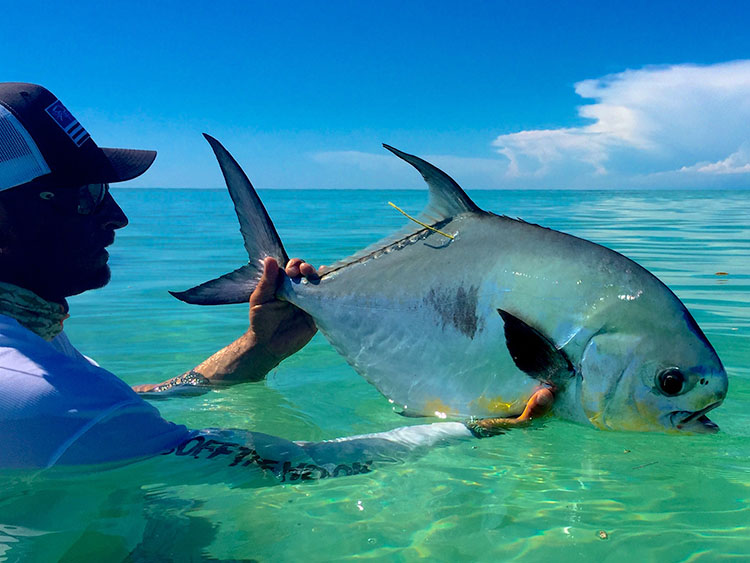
<point>736,163</point>
<point>687,119</point>
<point>660,126</point>
<point>536,152</point>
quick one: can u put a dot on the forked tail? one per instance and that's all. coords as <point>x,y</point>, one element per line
<point>258,232</point>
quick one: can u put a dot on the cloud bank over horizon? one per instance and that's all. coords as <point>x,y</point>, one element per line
<point>655,123</point>
<point>680,125</point>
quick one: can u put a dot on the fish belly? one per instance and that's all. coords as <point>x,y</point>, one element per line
<point>429,354</point>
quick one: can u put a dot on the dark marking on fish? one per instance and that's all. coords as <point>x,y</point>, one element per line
<point>534,353</point>
<point>456,308</point>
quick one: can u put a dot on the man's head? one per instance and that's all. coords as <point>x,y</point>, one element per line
<point>56,213</point>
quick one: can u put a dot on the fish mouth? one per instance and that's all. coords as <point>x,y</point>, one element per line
<point>696,421</point>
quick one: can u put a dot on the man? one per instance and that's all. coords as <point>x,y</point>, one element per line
<point>59,408</point>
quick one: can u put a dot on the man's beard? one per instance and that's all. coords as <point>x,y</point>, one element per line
<point>98,279</point>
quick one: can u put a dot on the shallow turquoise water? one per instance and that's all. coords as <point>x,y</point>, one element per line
<point>532,494</point>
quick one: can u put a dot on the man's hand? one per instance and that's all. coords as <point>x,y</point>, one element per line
<point>277,330</point>
<point>278,327</point>
<point>537,406</point>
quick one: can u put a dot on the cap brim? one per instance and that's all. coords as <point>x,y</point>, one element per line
<point>127,163</point>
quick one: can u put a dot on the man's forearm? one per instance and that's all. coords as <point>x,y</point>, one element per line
<point>244,360</point>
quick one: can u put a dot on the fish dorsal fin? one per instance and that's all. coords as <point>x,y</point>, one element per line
<point>447,198</point>
<point>534,354</point>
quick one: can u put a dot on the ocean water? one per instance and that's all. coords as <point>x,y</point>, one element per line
<point>553,491</point>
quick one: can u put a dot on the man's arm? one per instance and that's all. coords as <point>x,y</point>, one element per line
<point>277,330</point>
<point>538,405</point>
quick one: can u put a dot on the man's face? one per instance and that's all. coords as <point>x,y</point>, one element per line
<point>49,247</point>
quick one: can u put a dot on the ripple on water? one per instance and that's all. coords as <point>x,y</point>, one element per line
<point>529,495</point>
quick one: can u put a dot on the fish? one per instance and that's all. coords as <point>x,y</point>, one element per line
<point>465,313</point>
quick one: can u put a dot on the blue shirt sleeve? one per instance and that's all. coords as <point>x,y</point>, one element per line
<point>61,409</point>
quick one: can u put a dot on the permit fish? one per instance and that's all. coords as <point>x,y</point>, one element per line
<point>467,313</point>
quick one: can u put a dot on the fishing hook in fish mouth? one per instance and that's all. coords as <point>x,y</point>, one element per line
<point>701,423</point>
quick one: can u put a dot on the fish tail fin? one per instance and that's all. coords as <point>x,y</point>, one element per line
<point>261,239</point>
<point>234,287</point>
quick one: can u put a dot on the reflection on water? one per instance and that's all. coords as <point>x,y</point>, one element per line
<point>533,494</point>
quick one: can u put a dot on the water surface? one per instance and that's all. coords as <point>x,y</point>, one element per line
<point>548,492</point>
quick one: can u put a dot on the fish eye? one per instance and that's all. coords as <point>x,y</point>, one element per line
<point>670,381</point>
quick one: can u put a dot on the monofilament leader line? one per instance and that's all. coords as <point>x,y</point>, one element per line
<point>418,222</point>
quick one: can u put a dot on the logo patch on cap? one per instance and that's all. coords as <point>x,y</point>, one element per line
<point>60,114</point>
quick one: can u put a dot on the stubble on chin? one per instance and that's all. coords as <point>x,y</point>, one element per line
<point>101,277</point>
<point>96,280</point>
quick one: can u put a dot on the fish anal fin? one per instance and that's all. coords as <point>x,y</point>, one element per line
<point>534,353</point>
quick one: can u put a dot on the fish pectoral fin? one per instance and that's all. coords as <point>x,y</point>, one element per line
<point>534,353</point>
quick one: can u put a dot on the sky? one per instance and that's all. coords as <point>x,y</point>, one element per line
<point>505,94</point>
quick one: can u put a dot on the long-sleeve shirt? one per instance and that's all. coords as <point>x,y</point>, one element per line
<point>59,408</point>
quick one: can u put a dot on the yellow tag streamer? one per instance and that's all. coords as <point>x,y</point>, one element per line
<point>418,222</point>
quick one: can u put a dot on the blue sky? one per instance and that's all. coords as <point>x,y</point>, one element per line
<point>499,94</point>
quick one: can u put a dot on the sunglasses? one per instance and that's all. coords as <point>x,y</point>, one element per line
<point>89,198</point>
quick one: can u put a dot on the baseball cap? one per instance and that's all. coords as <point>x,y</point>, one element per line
<point>39,137</point>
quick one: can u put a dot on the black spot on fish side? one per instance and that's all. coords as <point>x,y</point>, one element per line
<point>457,309</point>
<point>533,353</point>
